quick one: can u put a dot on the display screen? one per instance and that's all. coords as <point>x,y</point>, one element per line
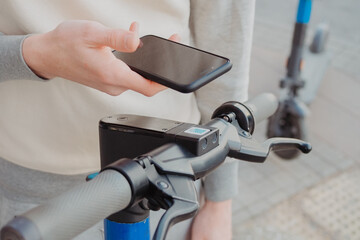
<point>171,63</point>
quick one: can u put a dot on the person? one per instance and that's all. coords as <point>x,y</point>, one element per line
<point>57,84</point>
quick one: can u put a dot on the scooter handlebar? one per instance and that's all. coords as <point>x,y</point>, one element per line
<point>91,202</point>
<point>106,194</point>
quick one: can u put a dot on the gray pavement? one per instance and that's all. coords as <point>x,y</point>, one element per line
<point>315,196</point>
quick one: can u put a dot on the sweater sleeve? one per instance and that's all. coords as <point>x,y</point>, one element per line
<point>224,28</point>
<point>12,63</point>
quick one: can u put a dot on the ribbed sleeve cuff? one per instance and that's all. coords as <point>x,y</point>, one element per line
<point>12,63</point>
<point>222,183</point>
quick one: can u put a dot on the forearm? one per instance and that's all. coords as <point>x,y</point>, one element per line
<point>78,51</point>
<point>12,64</point>
<point>221,184</point>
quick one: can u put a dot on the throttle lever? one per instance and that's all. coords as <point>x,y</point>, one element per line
<point>180,208</point>
<point>253,151</point>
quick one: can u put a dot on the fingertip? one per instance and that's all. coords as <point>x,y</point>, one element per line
<point>175,37</point>
<point>142,85</point>
<point>157,87</point>
<point>134,27</point>
<point>149,88</point>
<point>154,89</point>
<point>119,39</point>
<point>132,42</point>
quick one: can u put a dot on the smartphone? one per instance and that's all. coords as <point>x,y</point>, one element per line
<point>177,66</point>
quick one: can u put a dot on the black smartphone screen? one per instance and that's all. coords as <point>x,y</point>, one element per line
<point>174,65</point>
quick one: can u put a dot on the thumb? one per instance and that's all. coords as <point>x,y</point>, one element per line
<point>119,39</point>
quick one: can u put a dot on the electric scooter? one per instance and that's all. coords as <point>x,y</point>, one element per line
<point>173,155</point>
<point>305,70</point>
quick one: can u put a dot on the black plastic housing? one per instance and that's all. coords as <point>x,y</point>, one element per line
<point>129,136</point>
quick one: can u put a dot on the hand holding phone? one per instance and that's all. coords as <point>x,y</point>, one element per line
<point>80,51</point>
<point>177,66</point>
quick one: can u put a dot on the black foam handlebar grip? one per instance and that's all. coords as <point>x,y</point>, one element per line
<point>73,212</point>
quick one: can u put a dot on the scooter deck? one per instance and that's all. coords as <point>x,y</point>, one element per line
<point>315,65</point>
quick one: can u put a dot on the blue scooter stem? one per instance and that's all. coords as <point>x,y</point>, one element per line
<point>304,11</point>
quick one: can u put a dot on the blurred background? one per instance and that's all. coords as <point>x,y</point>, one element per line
<point>315,196</point>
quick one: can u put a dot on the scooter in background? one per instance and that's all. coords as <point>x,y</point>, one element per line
<point>305,70</point>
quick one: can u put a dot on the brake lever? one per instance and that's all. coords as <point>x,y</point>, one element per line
<point>177,195</point>
<point>279,143</point>
<point>253,151</point>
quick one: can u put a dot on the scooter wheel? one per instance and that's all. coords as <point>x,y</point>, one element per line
<point>286,125</point>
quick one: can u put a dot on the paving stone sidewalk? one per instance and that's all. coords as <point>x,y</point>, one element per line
<point>314,196</point>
